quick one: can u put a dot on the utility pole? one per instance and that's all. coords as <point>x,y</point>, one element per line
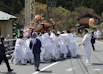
<point>52,4</point>
<point>47,11</point>
<point>51,7</point>
<point>32,12</point>
<point>25,14</point>
<point>67,20</point>
<point>28,12</point>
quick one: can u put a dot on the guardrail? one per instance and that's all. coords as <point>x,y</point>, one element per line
<point>11,45</point>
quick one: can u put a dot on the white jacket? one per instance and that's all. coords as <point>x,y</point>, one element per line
<point>87,44</point>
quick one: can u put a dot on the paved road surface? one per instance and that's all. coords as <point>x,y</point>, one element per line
<point>67,66</point>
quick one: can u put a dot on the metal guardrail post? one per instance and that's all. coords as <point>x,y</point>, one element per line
<point>10,44</point>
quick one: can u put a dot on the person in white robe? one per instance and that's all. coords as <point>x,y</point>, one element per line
<point>98,33</point>
<point>95,34</point>
<point>19,54</point>
<point>28,52</point>
<point>49,50</point>
<point>72,46</point>
<point>58,43</point>
<point>87,45</point>
<point>65,40</point>
<point>62,46</point>
<point>54,42</point>
<point>42,48</point>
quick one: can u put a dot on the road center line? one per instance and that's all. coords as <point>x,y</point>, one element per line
<point>46,67</point>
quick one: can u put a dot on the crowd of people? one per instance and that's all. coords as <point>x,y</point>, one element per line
<point>46,46</point>
<point>52,46</point>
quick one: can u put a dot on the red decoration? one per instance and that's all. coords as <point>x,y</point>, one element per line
<point>93,22</point>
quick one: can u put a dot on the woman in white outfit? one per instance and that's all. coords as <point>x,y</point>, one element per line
<point>19,54</point>
<point>87,45</point>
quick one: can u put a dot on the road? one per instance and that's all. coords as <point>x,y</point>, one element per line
<point>65,66</point>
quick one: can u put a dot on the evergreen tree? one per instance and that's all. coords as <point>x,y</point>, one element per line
<point>97,5</point>
<point>15,6</point>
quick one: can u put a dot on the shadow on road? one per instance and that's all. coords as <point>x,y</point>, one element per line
<point>62,59</point>
<point>28,64</point>
<point>45,71</point>
<point>97,63</point>
<point>98,50</point>
<point>7,73</point>
<point>79,56</point>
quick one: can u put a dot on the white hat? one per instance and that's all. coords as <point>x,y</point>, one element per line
<point>58,32</point>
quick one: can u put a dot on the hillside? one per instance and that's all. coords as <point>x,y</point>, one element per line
<point>64,18</point>
<point>97,5</point>
<point>65,13</point>
<point>11,6</point>
<point>14,6</point>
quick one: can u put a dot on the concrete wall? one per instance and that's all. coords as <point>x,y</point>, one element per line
<point>84,20</point>
<point>9,28</point>
<point>2,26</point>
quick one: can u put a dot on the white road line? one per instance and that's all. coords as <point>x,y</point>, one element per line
<point>71,69</point>
<point>46,67</point>
<point>96,69</point>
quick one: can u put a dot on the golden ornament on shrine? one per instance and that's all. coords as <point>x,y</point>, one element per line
<point>51,19</point>
<point>42,25</point>
<point>38,17</point>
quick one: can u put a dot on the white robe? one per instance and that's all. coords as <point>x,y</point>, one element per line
<point>95,34</point>
<point>64,36</point>
<point>53,39</point>
<point>28,52</point>
<point>61,43</point>
<point>18,53</point>
<point>49,50</point>
<point>72,46</point>
<point>71,42</point>
<point>98,33</point>
<point>87,46</point>
<point>42,49</point>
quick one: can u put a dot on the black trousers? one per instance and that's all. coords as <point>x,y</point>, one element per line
<point>37,60</point>
<point>4,58</point>
<point>93,47</point>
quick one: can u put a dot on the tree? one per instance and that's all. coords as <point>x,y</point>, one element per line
<point>4,7</point>
<point>101,24</point>
<point>63,18</point>
<point>11,6</point>
<point>97,5</point>
<point>102,15</point>
<point>16,6</point>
